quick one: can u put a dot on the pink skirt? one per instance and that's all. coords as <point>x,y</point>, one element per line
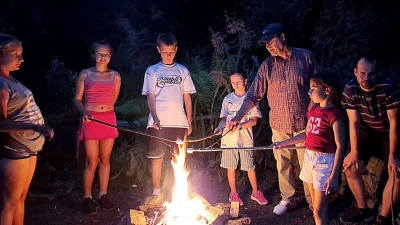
<point>96,131</point>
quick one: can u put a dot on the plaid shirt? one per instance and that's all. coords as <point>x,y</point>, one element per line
<point>287,83</point>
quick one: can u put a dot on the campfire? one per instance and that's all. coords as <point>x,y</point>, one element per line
<point>184,208</point>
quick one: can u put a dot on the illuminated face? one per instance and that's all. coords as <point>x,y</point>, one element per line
<point>102,55</point>
<point>276,46</point>
<point>317,93</point>
<point>366,73</point>
<point>11,59</point>
<point>238,82</point>
<point>167,53</point>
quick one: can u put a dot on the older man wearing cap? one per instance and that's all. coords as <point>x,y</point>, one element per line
<point>284,76</point>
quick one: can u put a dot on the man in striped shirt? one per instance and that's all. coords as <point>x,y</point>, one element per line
<point>285,78</point>
<point>372,103</point>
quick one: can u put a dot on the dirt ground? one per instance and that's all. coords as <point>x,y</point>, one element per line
<point>65,209</point>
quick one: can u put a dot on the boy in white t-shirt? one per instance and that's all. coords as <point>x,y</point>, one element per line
<point>239,137</point>
<point>168,86</point>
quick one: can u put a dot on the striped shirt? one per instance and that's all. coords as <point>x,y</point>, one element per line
<point>372,106</point>
<point>286,83</point>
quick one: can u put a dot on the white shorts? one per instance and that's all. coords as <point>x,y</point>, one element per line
<point>317,168</point>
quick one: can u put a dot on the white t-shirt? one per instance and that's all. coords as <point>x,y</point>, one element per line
<point>239,138</point>
<point>168,83</point>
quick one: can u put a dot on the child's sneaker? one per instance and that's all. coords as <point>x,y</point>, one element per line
<point>235,198</point>
<point>105,203</point>
<point>88,206</point>
<point>259,197</point>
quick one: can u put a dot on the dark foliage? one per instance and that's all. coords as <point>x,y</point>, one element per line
<point>56,36</point>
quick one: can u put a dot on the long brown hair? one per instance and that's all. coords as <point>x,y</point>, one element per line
<point>329,80</point>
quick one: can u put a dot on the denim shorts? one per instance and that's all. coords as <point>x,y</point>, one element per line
<point>317,168</point>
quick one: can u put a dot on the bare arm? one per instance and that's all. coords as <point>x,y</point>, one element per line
<point>4,97</point>
<point>15,126</point>
<point>249,123</point>
<point>393,162</point>
<point>244,109</point>
<point>79,91</point>
<point>7,125</point>
<point>332,184</point>
<point>255,93</point>
<point>294,140</point>
<point>10,125</point>
<point>117,86</point>
<point>354,128</point>
<point>188,107</point>
<point>340,139</point>
<point>151,103</point>
<point>221,125</point>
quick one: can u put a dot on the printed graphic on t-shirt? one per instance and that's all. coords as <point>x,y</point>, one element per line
<point>314,125</point>
<point>238,138</point>
<point>168,81</point>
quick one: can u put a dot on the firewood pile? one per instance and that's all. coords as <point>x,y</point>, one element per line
<point>152,212</point>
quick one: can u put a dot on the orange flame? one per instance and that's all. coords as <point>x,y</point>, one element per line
<point>183,210</point>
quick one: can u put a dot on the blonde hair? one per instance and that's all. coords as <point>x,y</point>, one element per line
<point>7,41</point>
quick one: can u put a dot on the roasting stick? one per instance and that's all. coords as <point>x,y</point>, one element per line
<point>191,150</point>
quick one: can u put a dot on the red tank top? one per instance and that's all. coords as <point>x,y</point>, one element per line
<point>99,92</point>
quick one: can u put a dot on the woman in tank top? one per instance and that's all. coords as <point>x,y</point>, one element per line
<point>97,90</point>
<point>23,133</point>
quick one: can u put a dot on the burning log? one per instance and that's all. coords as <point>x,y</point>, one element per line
<point>152,202</point>
<point>137,218</point>
<point>234,211</point>
<point>212,212</point>
<point>184,208</point>
<point>241,221</point>
<point>152,211</point>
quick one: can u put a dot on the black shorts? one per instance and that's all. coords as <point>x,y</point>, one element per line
<point>158,148</point>
<point>373,144</point>
<point>16,150</point>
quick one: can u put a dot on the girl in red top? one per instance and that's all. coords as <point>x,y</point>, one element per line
<point>325,140</point>
<point>99,86</point>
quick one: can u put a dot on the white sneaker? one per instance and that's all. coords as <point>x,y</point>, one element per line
<point>283,207</point>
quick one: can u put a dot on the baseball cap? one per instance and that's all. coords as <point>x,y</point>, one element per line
<point>270,31</point>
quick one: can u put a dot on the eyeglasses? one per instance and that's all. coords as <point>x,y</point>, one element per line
<point>103,55</point>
